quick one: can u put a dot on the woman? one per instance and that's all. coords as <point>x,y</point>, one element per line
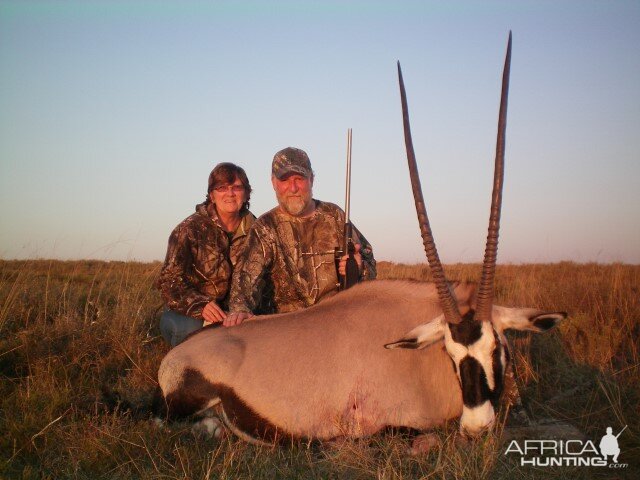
<point>196,277</point>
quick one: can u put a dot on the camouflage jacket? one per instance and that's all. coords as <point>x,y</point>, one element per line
<point>294,259</point>
<point>200,259</point>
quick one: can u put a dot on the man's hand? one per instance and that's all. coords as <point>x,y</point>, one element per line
<point>342,266</point>
<point>212,313</point>
<point>236,318</point>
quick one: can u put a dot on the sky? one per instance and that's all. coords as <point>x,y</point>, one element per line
<point>113,113</point>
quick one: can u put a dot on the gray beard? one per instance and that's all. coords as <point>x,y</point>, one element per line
<point>294,206</point>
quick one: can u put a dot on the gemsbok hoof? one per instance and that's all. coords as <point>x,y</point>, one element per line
<point>210,427</point>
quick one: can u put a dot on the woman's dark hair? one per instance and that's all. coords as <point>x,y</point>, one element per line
<point>225,174</point>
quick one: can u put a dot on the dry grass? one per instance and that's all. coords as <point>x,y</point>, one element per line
<point>68,329</point>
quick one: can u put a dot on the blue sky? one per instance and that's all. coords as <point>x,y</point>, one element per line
<point>112,115</point>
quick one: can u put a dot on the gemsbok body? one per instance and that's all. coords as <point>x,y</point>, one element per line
<point>381,354</point>
<point>324,372</point>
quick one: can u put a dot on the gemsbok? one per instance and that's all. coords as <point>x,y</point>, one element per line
<point>381,354</point>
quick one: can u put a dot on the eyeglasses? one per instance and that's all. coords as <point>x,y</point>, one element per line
<point>229,188</point>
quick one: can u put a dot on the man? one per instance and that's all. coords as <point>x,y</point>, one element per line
<point>291,249</point>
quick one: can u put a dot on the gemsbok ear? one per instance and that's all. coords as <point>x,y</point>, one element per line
<point>537,321</point>
<point>422,336</point>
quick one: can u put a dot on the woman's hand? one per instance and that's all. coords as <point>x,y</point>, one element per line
<point>237,318</point>
<point>212,313</point>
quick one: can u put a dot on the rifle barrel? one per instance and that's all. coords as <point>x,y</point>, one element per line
<point>347,201</point>
<point>625,427</point>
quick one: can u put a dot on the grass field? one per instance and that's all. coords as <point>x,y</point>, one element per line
<point>73,333</point>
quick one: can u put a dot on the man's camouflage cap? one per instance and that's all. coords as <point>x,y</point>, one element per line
<point>291,160</point>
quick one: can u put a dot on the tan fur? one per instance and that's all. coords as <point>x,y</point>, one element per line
<point>324,372</point>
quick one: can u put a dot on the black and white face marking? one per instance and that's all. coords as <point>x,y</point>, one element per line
<point>480,359</point>
<point>479,354</point>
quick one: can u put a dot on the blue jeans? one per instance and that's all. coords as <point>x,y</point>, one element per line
<point>175,327</point>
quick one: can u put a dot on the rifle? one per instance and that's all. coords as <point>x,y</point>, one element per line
<point>352,271</point>
<point>625,427</point>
